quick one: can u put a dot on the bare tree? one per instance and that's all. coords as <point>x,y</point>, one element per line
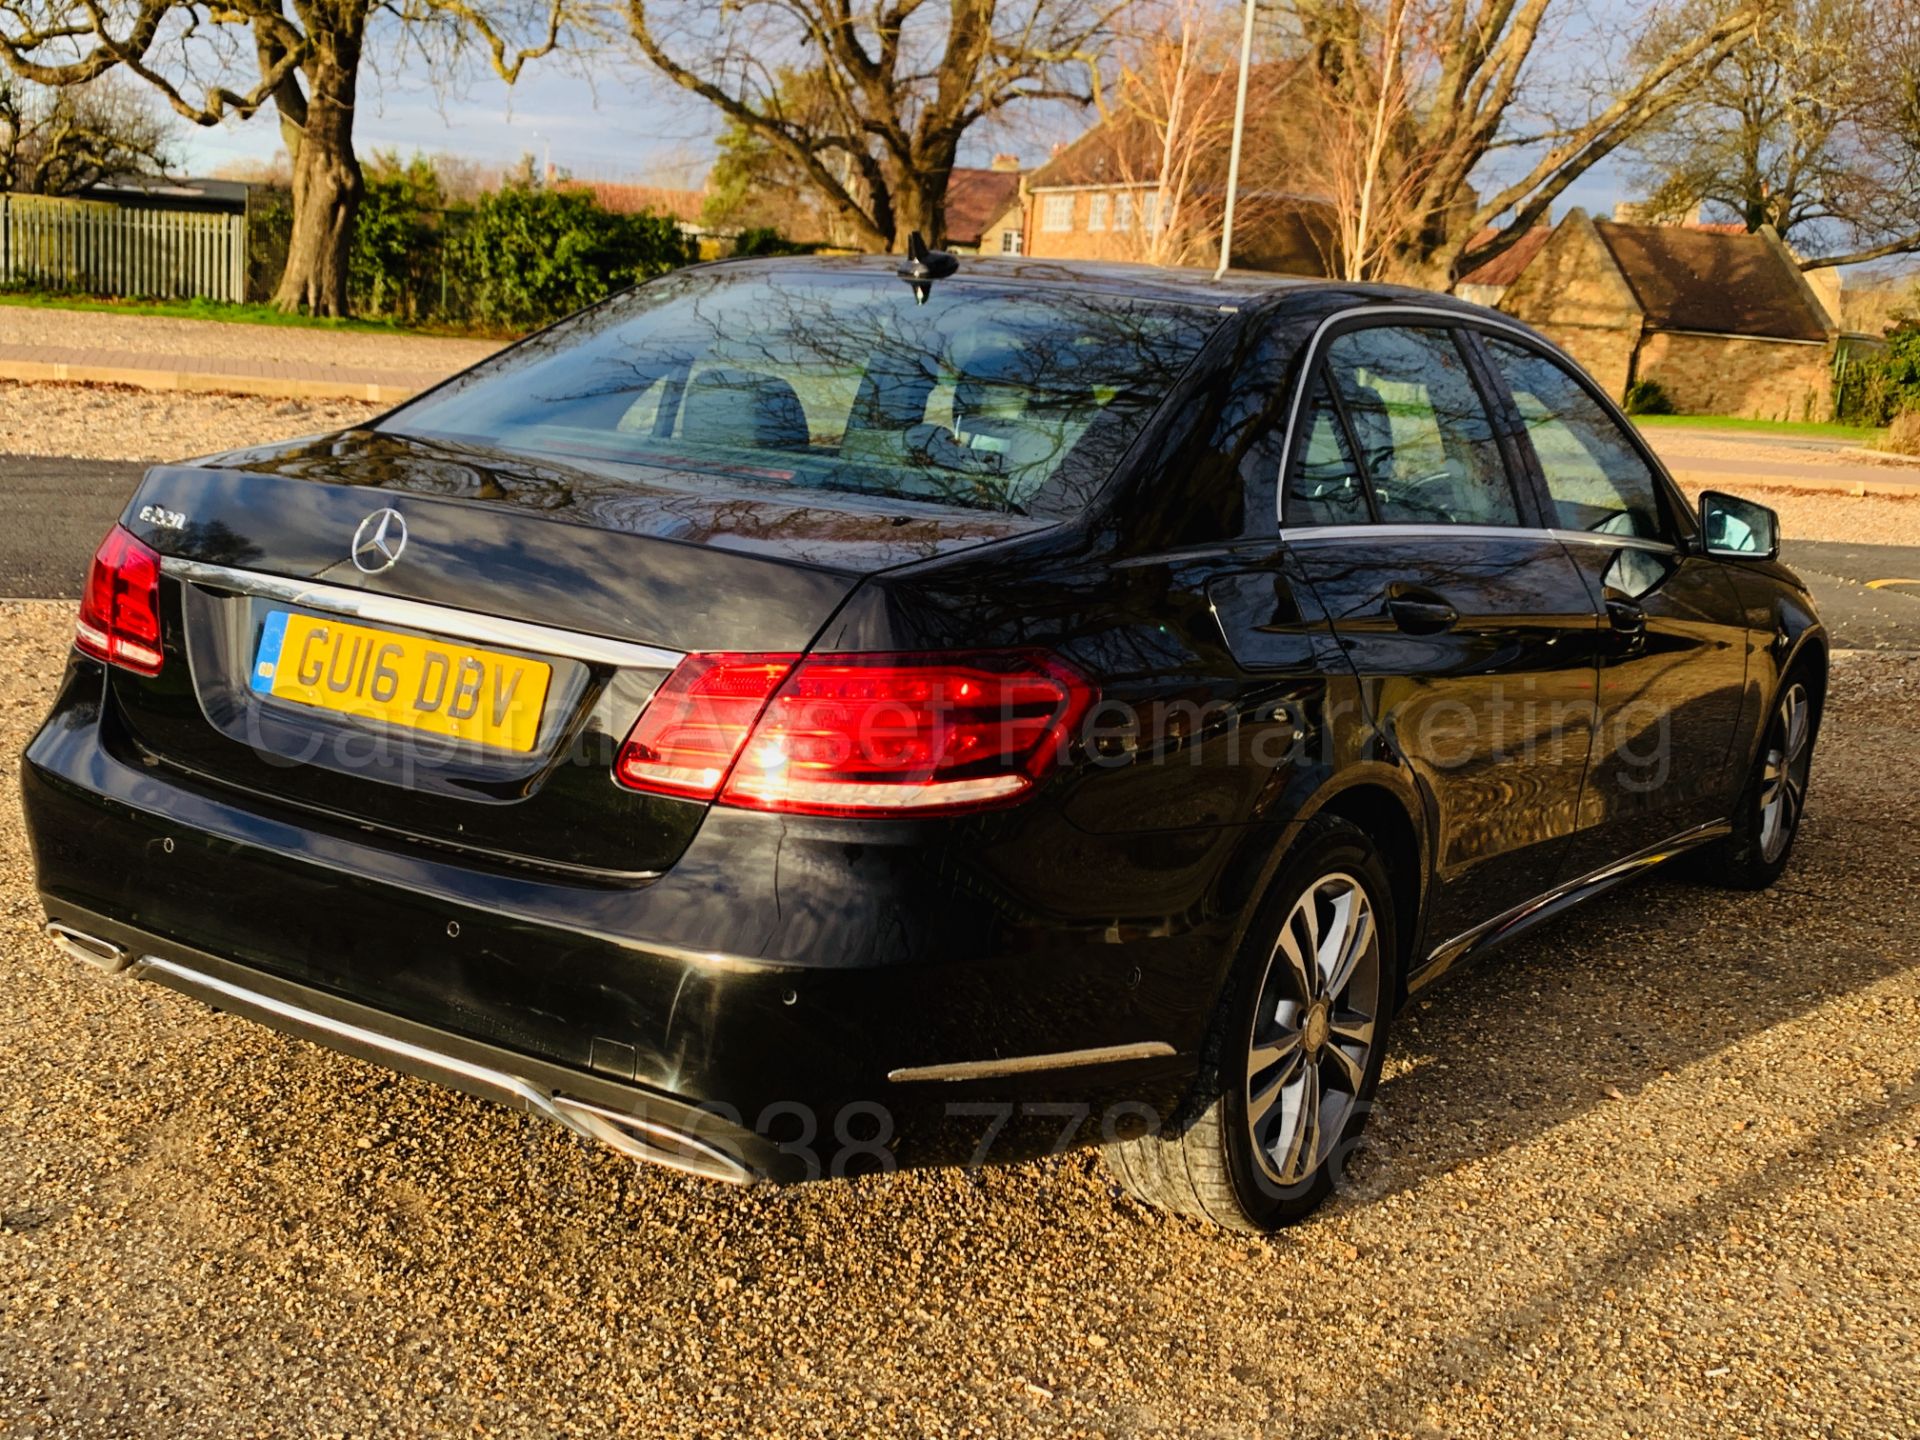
<point>1171,114</point>
<point>304,56</point>
<point>1886,135</point>
<point>1365,164</point>
<point>1473,96</point>
<point>1813,128</point>
<point>59,141</point>
<point>755,184</point>
<point>1753,142</point>
<point>869,102</point>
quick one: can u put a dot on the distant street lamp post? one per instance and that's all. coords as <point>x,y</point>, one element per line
<point>1233,158</point>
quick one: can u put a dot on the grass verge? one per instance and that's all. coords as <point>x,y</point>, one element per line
<point>1785,429</point>
<point>219,310</point>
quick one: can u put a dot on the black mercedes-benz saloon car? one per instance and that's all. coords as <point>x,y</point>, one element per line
<point>803,716</point>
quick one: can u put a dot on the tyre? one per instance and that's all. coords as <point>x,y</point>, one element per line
<point>1295,1050</point>
<point>1767,817</point>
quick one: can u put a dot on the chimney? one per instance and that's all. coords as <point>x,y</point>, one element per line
<point>1007,164</point>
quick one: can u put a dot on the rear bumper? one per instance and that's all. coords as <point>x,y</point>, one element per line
<point>650,1127</point>
<point>904,1011</point>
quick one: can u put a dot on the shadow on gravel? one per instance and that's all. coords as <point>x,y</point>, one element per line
<point>1470,1356</point>
<point>1634,986</point>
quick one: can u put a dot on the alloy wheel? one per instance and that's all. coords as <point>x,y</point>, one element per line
<point>1783,777</point>
<point>1313,1029</point>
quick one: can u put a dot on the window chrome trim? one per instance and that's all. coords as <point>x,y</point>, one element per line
<point>1409,530</point>
<point>1618,542</point>
<point>379,609</point>
<point>1440,530</point>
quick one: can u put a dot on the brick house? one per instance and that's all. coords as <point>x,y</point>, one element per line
<point>1863,314</point>
<point>1099,198</point>
<point>1006,233</point>
<point>1724,321</point>
<point>978,201</point>
<point>680,206</point>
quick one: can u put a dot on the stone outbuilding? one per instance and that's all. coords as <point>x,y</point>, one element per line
<point>1724,321</point>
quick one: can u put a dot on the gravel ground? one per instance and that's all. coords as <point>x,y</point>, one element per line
<point>153,335</point>
<point>112,422</point>
<point>1806,513</point>
<point>1655,1172</point>
<point>1677,444</point>
<point>1846,519</point>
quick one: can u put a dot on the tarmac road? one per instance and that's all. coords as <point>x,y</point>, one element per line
<point>54,511</point>
<point>52,515</point>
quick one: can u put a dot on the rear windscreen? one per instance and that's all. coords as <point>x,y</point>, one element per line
<point>986,396</point>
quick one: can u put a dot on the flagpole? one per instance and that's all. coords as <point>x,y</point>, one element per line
<point>1239,129</point>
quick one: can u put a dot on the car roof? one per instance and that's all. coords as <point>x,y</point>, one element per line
<point>1236,288</point>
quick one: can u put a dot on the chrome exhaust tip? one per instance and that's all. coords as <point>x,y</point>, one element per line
<point>78,945</point>
<point>650,1142</point>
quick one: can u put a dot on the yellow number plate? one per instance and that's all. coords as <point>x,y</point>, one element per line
<point>478,696</point>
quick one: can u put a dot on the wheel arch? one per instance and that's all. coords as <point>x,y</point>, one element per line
<point>1389,816</point>
<point>1812,654</point>
<point>1379,798</point>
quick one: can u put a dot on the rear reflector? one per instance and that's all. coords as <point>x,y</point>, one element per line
<point>120,611</point>
<point>875,734</point>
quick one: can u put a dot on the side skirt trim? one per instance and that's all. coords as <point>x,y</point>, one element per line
<point>1028,1064</point>
<point>1525,916</point>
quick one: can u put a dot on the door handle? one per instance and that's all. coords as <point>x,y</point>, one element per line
<point>1626,617</point>
<point>1421,612</point>
<point>1629,622</point>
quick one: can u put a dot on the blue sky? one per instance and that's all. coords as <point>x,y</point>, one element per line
<point>621,123</point>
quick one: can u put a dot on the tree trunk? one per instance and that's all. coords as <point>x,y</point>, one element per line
<point>920,203</point>
<point>326,194</point>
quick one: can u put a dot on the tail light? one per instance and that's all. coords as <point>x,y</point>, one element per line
<point>692,729</point>
<point>877,734</point>
<point>120,611</point>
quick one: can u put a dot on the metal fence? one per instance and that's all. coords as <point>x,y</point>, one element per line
<point>107,249</point>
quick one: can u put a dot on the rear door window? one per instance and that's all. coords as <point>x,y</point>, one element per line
<point>1594,472</point>
<point>1325,487</point>
<point>1422,427</point>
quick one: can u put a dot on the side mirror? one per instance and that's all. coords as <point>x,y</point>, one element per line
<point>1737,529</point>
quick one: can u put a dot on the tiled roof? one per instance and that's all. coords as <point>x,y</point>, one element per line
<point>975,199</point>
<point>681,205</point>
<point>1120,150</point>
<point>1126,147</point>
<point>1708,280</point>
<point>1503,269</point>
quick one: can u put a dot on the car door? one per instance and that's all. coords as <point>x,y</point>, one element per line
<point>1673,660</point>
<point>1471,630</point>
